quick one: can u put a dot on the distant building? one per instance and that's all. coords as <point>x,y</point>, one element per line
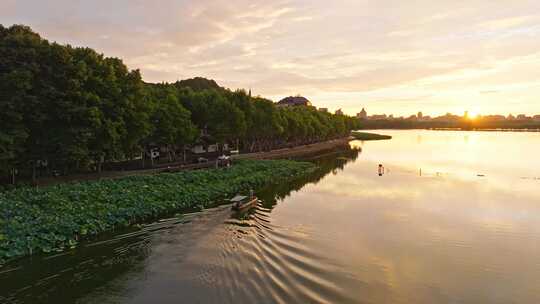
<point>294,101</point>
<point>362,114</point>
<point>378,117</point>
<point>523,117</point>
<point>420,116</point>
<point>448,117</point>
<point>493,117</point>
<point>536,117</point>
<point>324,110</point>
<point>339,112</point>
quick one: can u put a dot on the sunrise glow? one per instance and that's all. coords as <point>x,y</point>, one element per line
<point>430,56</point>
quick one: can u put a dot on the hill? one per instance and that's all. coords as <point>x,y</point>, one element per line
<point>198,84</point>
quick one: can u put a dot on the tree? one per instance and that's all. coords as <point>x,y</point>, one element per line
<point>13,87</point>
<point>172,122</point>
<point>73,109</point>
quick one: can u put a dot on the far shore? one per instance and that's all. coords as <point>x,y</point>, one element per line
<point>485,130</point>
<point>456,129</point>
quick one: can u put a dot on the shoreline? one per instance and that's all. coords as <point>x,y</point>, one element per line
<point>297,151</point>
<point>531,130</point>
<point>283,153</point>
<point>485,130</point>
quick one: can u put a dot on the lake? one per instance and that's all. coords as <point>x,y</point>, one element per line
<point>455,218</point>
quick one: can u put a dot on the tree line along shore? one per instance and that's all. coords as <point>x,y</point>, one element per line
<point>66,110</point>
<point>296,152</point>
<point>454,122</point>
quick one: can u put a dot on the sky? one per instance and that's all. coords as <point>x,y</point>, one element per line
<point>389,56</point>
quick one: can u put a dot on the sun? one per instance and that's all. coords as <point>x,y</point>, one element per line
<point>473,115</point>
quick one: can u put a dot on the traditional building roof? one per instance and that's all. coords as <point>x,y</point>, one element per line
<point>294,101</point>
<point>362,114</point>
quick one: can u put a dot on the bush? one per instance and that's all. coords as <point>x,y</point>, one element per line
<point>369,136</point>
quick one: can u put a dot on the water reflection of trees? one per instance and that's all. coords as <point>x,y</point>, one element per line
<point>330,163</point>
<point>68,277</point>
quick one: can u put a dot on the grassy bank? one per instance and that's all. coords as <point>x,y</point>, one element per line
<point>58,217</point>
<point>369,136</point>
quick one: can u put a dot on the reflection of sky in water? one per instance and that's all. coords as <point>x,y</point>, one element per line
<point>431,239</point>
<point>467,154</point>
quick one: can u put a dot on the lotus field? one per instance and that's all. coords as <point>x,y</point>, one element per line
<point>55,218</point>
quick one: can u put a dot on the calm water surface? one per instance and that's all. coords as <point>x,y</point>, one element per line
<point>455,219</point>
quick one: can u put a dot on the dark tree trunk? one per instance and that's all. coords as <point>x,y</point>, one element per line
<point>143,154</point>
<point>33,173</point>
<point>184,154</point>
<point>100,163</point>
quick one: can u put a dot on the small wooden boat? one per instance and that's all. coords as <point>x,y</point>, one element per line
<point>242,203</point>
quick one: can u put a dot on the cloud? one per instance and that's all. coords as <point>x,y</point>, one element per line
<point>506,23</point>
<point>489,92</point>
<point>374,51</point>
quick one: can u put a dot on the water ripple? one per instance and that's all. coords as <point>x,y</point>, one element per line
<point>265,262</point>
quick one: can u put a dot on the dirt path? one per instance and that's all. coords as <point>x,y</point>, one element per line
<point>296,151</point>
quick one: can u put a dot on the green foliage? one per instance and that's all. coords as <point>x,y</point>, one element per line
<point>369,136</point>
<point>54,218</point>
<point>75,109</point>
<point>198,84</point>
<point>171,121</point>
<point>69,106</point>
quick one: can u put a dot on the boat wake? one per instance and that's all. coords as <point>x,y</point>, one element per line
<point>259,262</point>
